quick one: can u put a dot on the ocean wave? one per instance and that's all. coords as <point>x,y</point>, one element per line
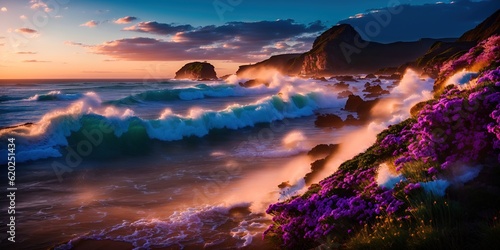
<point>5,98</point>
<point>88,121</point>
<point>200,91</point>
<point>55,96</point>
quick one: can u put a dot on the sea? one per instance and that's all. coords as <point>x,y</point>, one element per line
<point>170,164</point>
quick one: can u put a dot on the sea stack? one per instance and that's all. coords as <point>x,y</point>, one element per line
<point>197,71</point>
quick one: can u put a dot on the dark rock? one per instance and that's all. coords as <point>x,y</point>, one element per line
<point>284,184</point>
<point>351,121</point>
<point>370,76</point>
<point>341,86</point>
<point>394,76</point>
<point>316,167</point>
<point>323,79</point>
<point>346,78</point>
<point>344,94</point>
<point>197,70</point>
<point>367,84</point>
<point>323,150</point>
<point>328,120</point>
<point>356,104</point>
<point>253,83</point>
<point>353,103</point>
<point>376,81</point>
<point>375,91</point>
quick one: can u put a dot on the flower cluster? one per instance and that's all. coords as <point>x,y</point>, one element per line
<point>490,76</point>
<point>461,126</point>
<point>345,200</point>
<point>485,52</point>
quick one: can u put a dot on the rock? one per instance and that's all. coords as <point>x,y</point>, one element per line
<point>285,184</point>
<point>328,121</point>
<point>376,81</point>
<point>367,84</point>
<point>323,79</point>
<point>375,91</point>
<point>224,77</point>
<point>356,104</point>
<point>316,167</point>
<point>341,86</point>
<point>197,70</point>
<point>351,121</point>
<point>370,76</point>
<point>323,150</point>
<point>394,76</point>
<point>253,83</point>
<point>346,78</point>
<point>353,103</point>
<point>344,94</point>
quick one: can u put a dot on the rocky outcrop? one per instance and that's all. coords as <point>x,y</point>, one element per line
<point>197,70</point>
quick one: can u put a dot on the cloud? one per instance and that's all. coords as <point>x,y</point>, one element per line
<point>39,4</point>
<point>90,24</point>
<point>234,41</point>
<point>35,61</point>
<point>3,9</point>
<point>26,53</point>
<point>2,44</point>
<point>23,17</point>
<point>158,28</point>
<point>124,20</point>
<point>75,44</point>
<point>26,31</point>
<point>413,22</point>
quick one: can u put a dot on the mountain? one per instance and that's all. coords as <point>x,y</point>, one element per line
<point>196,70</point>
<point>341,50</point>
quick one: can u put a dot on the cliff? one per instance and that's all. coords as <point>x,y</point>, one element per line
<point>341,50</point>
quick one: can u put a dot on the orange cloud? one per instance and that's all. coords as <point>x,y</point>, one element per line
<point>125,20</point>
<point>90,24</point>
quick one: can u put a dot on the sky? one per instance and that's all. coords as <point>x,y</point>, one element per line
<point>153,38</point>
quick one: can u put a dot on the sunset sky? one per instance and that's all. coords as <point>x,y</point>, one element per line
<point>153,39</point>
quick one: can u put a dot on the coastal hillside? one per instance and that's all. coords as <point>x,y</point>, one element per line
<point>429,182</point>
<point>431,62</point>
